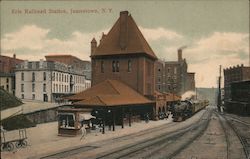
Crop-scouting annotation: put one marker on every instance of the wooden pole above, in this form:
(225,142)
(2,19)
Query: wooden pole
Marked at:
(113,116)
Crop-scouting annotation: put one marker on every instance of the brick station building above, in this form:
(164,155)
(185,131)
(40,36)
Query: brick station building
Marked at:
(123,77)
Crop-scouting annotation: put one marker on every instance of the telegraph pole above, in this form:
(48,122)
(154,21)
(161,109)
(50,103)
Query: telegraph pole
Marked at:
(219,92)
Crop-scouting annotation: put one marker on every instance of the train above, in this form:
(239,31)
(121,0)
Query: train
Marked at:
(185,109)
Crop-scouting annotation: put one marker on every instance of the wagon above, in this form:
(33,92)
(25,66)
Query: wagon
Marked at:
(8,145)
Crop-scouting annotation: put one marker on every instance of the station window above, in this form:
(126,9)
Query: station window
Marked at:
(113,66)
(117,66)
(102,66)
(129,66)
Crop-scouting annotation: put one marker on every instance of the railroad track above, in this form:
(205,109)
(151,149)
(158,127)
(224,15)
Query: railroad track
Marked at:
(163,146)
(238,120)
(129,148)
(230,131)
(245,140)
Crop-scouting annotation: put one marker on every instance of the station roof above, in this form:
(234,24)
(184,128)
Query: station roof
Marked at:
(109,93)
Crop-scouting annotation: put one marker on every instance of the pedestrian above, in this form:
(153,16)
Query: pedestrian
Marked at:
(84,132)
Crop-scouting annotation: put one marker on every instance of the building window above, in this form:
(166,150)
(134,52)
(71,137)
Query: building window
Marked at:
(102,66)
(7,87)
(117,66)
(22,87)
(175,70)
(53,78)
(7,80)
(33,76)
(22,76)
(113,66)
(33,87)
(44,76)
(168,69)
(33,96)
(159,87)
(22,96)
(56,88)
(129,66)
(44,87)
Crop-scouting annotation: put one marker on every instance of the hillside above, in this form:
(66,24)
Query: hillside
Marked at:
(8,100)
(208,93)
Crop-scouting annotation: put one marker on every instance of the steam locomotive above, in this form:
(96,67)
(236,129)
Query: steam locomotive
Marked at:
(185,109)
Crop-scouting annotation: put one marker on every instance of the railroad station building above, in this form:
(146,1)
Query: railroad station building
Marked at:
(123,77)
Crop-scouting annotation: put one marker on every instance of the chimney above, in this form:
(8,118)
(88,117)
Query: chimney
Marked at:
(123,29)
(179,55)
(14,56)
(93,46)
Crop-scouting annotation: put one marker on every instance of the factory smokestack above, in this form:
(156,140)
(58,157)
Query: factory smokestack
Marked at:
(180,53)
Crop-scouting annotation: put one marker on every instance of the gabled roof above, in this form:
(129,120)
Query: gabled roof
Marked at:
(124,38)
(109,93)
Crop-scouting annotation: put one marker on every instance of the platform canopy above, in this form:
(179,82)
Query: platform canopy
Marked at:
(109,93)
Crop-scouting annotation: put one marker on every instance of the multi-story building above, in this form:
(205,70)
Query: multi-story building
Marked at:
(172,76)
(7,75)
(47,81)
(160,76)
(75,63)
(234,74)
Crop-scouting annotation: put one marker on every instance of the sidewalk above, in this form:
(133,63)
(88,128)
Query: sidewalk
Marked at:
(48,141)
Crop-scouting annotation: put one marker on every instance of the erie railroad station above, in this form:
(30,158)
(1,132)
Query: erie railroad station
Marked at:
(125,102)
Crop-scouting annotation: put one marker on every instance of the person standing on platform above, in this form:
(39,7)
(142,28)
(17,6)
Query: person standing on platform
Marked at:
(84,132)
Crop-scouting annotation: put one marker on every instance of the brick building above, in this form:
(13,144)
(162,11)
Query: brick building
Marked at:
(124,54)
(7,75)
(172,76)
(234,74)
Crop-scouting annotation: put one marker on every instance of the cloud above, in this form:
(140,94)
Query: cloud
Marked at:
(219,45)
(34,43)
(207,53)
(159,33)
(29,36)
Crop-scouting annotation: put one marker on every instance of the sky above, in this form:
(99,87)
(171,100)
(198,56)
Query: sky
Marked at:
(216,32)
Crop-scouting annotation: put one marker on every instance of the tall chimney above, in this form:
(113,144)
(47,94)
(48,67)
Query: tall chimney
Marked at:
(123,29)
(179,55)
(14,56)
(93,46)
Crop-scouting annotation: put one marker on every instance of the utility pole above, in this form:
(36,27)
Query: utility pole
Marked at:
(219,92)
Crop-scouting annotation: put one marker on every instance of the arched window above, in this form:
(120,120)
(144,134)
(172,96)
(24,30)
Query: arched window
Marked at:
(117,66)
(113,66)
(102,66)
(129,66)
